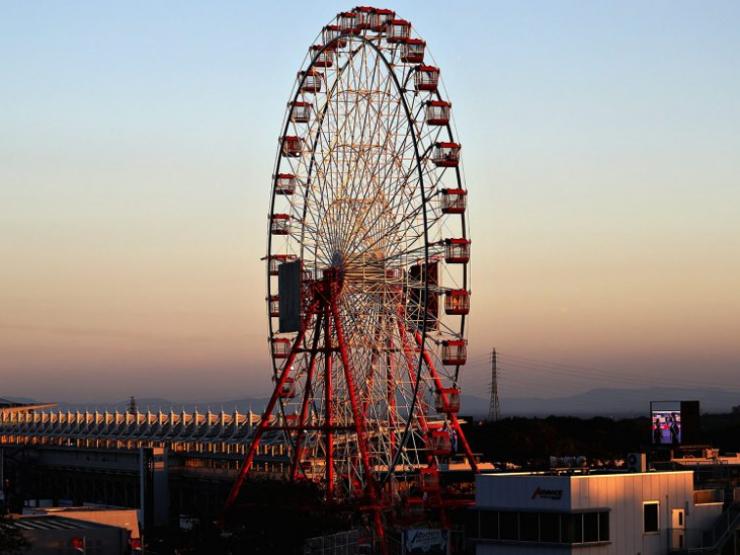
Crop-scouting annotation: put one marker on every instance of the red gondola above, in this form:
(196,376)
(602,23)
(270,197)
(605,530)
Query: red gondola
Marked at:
(320,56)
(438,112)
(287,390)
(440,443)
(426,78)
(280,224)
(453,400)
(398,30)
(275,260)
(300,112)
(280,347)
(310,80)
(457,251)
(446,155)
(291,145)
(453,201)
(347,22)
(364,15)
(380,18)
(454,352)
(457,301)
(332,35)
(285,184)
(412,51)
(273,302)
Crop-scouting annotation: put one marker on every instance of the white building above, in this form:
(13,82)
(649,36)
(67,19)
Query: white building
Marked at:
(642,513)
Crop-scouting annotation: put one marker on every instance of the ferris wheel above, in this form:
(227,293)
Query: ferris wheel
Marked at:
(367,267)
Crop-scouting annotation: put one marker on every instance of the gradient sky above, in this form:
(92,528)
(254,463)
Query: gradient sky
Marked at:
(602,154)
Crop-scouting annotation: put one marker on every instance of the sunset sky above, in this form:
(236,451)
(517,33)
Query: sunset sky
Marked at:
(601,146)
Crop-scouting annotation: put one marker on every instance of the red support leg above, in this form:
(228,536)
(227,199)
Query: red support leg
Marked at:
(264,421)
(359,425)
(328,411)
(306,396)
(440,391)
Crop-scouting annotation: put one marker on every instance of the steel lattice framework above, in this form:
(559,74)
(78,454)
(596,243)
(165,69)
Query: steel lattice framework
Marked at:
(368,197)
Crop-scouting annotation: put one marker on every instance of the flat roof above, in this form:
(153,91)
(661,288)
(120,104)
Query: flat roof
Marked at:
(598,474)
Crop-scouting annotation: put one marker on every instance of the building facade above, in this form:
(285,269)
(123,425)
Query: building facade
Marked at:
(642,513)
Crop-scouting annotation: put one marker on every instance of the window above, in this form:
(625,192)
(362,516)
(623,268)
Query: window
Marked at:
(604,526)
(650,516)
(590,527)
(540,527)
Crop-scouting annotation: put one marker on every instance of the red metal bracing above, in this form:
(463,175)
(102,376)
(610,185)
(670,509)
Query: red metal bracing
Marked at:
(380,18)
(438,112)
(311,80)
(439,442)
(321,58)
(453,201)
(426,78)
(429,479)
(291,145)
(457,301)
(398,30)
(347,22)
(412,51)
(285,184)
(300,112)
(291,419)
(452,396)
(364,14)
(332,35)
(454,352)
(457,251)
(274,304)
(287,388)
(279,224)
(446,155)
(280,347)
(276,259)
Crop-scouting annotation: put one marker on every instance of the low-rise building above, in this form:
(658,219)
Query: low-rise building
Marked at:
(640,513)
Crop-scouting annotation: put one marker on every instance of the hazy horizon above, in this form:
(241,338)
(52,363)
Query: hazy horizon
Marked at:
(137,141)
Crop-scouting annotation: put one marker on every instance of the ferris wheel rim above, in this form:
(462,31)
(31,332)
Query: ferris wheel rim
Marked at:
(418,156)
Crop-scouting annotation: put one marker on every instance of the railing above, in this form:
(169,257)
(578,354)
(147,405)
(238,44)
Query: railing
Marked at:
(705,541)
(703,496)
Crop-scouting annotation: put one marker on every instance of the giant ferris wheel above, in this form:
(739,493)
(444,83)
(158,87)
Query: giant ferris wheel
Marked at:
(367,268)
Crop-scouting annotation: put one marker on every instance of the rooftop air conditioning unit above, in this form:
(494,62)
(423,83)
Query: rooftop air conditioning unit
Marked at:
(636,462)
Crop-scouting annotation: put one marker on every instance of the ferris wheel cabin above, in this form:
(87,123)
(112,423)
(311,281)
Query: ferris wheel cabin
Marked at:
(322,57)
(452,396)
(280,347)
(364,14)
(446,155)
(457,251)
(380,18)
(426,78)
(273,302)
(275,260)
(347,22)
(300,112)
(285,184)
(310,80)
(437,112)
(280,224)
(412,51)
(398,30)
(454,352)
(457,302)
(292,145)
(453,201)
(332,35)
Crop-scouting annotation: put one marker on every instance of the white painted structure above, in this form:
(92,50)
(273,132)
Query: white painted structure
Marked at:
(647,513)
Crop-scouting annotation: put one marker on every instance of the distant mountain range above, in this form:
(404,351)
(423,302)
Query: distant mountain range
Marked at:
(596,402)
